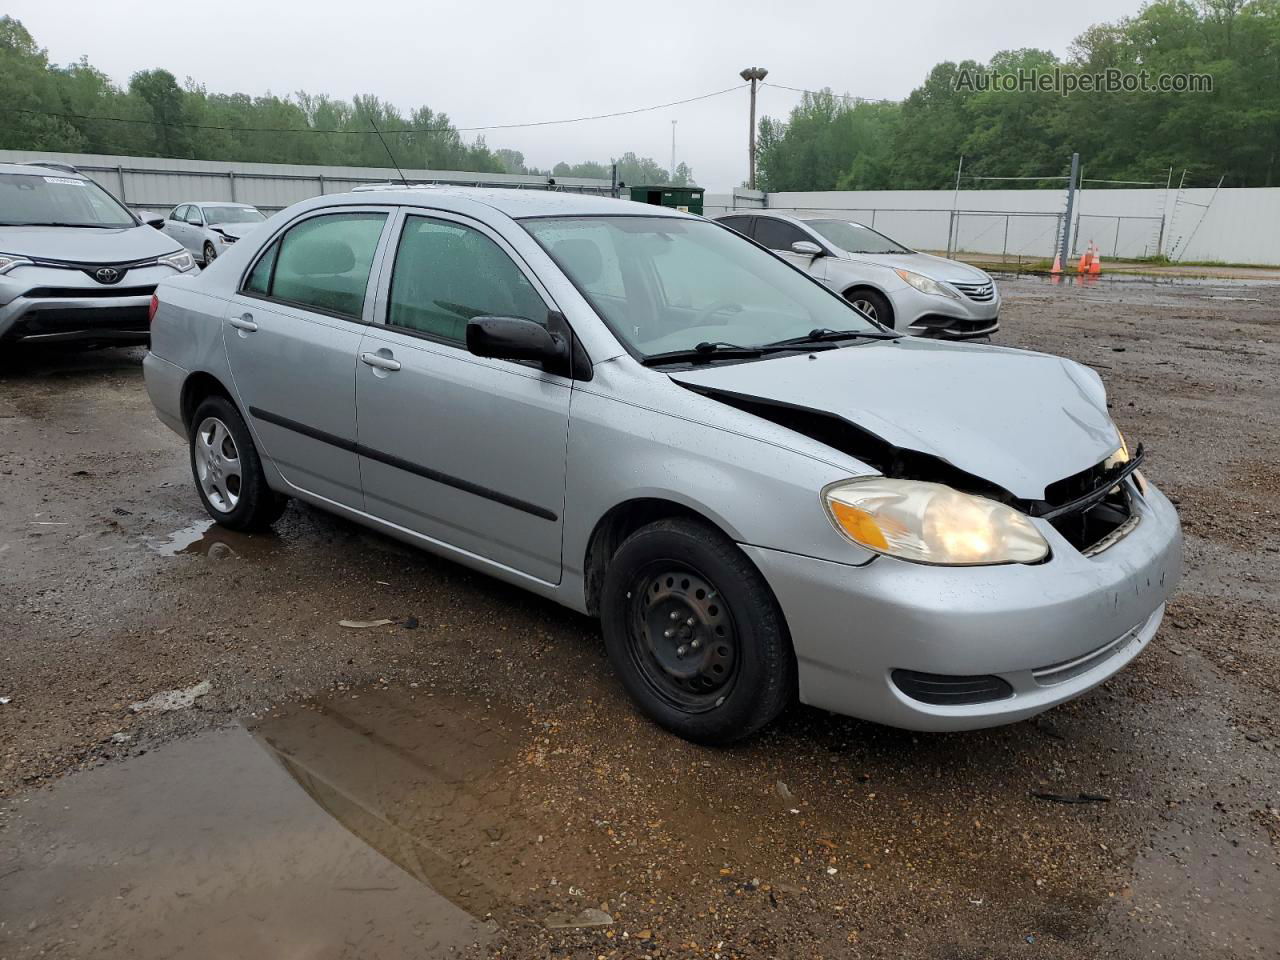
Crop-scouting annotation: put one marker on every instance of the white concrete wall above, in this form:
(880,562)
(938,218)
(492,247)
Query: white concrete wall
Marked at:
(158,183)
(1241,225)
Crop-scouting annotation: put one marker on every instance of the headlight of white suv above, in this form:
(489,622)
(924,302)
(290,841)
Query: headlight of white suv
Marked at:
(926,284)
(182,261)
(931,523)
(9,260)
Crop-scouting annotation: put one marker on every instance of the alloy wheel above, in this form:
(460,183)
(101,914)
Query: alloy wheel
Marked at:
(218,464)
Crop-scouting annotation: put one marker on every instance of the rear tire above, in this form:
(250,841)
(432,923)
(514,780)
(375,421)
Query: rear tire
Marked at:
(228,471)
(873,303)
(695,634)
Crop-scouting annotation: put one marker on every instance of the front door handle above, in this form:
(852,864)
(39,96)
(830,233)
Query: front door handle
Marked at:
(378,361)
(244,323)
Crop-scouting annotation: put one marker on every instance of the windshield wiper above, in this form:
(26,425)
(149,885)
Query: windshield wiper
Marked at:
(708,351)
(825,334)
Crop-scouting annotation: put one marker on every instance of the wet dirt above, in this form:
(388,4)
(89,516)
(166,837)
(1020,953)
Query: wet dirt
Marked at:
(476,759)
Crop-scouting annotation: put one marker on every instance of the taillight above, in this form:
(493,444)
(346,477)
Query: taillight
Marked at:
(152,308)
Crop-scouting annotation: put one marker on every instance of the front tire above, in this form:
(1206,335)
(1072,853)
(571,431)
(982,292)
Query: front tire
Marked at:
(210,254)
(873,303)
(228,471)
(695,633)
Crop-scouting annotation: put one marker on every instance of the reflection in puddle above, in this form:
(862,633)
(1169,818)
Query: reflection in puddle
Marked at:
(205,848)
(206,539)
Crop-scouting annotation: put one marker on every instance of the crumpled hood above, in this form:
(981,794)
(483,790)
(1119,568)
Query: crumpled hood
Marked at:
(1017,419)
(87,244)
(936,268)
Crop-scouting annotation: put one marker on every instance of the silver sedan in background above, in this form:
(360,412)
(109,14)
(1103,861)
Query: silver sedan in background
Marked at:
(208,229)
(901,288)
(645,417)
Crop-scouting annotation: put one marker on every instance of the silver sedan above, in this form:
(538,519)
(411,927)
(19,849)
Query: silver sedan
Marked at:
(208,229)
(898,287)
(762,494)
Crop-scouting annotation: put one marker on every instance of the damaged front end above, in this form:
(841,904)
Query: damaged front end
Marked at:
(1092,509)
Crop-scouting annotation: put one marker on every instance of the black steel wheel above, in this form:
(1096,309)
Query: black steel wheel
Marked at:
(681,637)
(695,634)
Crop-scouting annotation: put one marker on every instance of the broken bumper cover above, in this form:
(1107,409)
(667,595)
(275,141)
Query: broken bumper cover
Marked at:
(1048,632)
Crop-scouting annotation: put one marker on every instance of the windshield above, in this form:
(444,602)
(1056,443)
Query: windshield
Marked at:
(232,215)
(854,237)
(665,284)
(42,200)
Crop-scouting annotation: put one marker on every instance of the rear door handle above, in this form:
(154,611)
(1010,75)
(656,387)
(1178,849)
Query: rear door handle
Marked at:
(244,323)
(380,362)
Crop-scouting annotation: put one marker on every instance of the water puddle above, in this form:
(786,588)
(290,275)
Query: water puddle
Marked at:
(1149,279)
(386,824)
(204,538)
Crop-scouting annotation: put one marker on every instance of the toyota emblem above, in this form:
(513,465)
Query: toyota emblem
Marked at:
(107,275)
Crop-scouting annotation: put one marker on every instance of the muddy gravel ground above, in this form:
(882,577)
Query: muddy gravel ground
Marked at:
(470,780)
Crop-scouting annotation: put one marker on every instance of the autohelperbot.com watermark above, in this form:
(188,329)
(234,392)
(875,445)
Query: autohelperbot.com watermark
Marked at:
(1067,82)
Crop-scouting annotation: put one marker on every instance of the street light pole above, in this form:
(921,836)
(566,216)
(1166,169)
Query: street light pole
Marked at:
(673,151)
(754,75)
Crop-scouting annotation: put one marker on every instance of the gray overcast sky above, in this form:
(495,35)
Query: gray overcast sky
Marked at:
(511,62)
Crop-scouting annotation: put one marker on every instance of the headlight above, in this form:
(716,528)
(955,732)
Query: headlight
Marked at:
(926,284)
(9,260)
(181,261)
(931,523)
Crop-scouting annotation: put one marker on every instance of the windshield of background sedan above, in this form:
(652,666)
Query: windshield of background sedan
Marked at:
(233,215)
(38,200)
(854,237)
(667,284)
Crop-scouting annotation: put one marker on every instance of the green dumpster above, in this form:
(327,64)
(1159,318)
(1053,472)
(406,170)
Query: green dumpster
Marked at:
(688,199)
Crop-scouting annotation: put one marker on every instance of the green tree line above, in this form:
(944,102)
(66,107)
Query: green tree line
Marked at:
(832,142)
(61,108)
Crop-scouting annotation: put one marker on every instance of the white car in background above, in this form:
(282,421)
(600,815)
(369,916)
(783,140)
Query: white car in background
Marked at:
(908,291)
(208,228)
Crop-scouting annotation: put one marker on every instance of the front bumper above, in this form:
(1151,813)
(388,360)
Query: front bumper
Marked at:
(51,304)
(1050,631)
(928,315)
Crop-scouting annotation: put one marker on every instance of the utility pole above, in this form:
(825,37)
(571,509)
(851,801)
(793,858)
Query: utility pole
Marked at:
(754,75)
(953,234)
(1064,245)
(673,151)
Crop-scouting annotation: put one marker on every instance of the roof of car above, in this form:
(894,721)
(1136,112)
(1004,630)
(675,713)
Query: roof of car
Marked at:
(41,170)
(515,203)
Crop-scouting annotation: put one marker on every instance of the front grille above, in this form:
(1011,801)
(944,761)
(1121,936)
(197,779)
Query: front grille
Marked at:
(946,690)
(981,292)
(80,293)
(1099,526)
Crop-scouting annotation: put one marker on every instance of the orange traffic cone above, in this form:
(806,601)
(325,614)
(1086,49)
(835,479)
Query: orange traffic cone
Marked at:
(1085,259)
(1057,264)
(1095,265)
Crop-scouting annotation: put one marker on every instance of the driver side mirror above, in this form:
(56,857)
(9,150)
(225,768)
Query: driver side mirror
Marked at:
(806,248)
(515,338)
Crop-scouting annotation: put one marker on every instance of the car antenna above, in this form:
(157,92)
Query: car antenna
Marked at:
(391,155)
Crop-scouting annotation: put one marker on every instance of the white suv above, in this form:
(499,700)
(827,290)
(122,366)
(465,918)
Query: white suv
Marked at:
(75,263)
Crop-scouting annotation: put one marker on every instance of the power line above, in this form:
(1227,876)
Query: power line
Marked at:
(818,93)
(366,133)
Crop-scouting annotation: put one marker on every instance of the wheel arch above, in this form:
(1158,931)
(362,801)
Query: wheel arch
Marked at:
(196,389)
(618,523)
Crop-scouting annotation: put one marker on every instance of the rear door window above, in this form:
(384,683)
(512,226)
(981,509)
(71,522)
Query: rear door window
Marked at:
(741,224)
(777,234)
(323,262)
